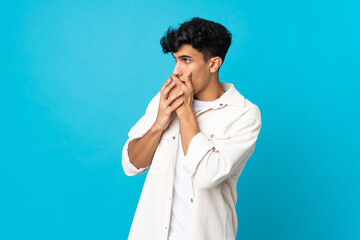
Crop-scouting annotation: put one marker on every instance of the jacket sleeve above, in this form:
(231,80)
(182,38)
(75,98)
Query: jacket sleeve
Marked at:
(137,131)
(209,162)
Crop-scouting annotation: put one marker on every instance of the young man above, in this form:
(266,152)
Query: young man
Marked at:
(195,137)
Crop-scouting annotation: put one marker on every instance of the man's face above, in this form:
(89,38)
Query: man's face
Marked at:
(188,59)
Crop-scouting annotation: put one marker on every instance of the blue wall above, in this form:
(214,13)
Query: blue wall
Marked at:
(77,75)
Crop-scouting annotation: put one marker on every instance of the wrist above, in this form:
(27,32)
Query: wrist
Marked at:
(186,107)
(156,129)
(186,111)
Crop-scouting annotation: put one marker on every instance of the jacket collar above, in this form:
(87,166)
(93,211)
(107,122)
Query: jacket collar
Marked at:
(230,97)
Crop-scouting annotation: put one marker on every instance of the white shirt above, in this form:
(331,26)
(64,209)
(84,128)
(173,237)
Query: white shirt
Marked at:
(181,206)
(214,161)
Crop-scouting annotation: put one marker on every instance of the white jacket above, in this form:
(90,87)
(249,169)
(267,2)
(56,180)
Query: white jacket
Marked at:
(214,161)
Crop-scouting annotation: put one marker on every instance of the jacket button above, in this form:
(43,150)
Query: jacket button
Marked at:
(165,227)
(174,137)
(212,135)
(191,200)
(221,104)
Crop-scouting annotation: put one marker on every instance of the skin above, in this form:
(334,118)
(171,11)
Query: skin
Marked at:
(176,98)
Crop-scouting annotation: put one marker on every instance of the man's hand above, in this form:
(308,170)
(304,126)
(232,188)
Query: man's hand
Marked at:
(186,88)
(188,124)
(166,111)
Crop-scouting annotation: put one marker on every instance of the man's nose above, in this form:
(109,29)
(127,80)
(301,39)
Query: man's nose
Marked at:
(177,71)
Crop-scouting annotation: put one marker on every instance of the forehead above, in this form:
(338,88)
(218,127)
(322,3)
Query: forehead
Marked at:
(187,49)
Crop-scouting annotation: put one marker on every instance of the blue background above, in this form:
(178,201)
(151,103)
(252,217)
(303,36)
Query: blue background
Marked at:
(77,75)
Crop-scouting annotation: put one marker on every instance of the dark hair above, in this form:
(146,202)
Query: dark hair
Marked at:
(210,38)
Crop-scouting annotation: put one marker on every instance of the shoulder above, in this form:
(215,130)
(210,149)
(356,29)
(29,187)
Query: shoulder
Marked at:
(247,121)
(246,108)
(251,110)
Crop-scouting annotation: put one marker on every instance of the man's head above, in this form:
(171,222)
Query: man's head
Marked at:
(204,44)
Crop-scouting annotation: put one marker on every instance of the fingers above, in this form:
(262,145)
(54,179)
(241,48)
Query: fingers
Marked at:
(165,89)
(188,81)
(171,103)
(175,105)
(173,97)
(167,82)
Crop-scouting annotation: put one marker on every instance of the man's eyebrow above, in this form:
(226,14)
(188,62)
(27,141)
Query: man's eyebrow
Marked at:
(182,56)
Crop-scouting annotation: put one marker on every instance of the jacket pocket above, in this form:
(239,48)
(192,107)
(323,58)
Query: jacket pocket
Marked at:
(160,163)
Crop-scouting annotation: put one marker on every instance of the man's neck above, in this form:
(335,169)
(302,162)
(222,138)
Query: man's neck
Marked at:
(212,92)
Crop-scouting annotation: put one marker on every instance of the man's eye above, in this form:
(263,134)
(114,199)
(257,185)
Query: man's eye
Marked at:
(185,60)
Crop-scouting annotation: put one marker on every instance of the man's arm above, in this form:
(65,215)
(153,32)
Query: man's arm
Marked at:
(145,135)
(141,150)
(189,126)
(210,162)
(139,130)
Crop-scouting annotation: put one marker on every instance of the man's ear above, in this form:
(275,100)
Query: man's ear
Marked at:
(215,63)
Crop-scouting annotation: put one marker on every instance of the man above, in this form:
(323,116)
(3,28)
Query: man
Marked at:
(195,137)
